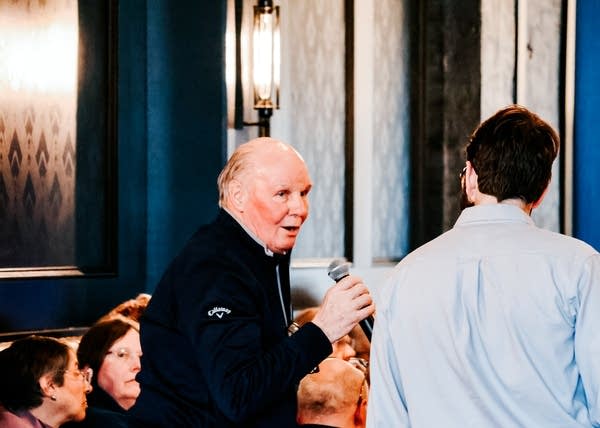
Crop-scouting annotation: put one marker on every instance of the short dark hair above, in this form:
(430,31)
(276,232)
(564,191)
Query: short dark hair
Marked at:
(22,365)
(96,342)
(512,153)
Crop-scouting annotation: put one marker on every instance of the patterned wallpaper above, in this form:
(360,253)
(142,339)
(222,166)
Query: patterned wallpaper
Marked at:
(317,124)
(317,112)
(38,103)
(391,118)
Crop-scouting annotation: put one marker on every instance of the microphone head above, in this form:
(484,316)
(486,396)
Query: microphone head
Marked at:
(338,269)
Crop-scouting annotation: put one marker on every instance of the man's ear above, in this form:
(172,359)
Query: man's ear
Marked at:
(236,193)
(471,186)
(541,198)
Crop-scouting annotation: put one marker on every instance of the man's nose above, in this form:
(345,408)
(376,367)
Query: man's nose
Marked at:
(298,205)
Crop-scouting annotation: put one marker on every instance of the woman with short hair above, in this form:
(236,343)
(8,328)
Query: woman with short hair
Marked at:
(112,349)
(42,385)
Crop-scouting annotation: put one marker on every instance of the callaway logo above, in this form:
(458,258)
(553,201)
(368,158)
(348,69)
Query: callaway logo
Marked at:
(218,311)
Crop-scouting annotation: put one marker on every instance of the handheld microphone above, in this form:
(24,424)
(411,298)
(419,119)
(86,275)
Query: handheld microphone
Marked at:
(339,269)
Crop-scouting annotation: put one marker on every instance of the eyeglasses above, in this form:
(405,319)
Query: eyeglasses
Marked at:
(123,354)
(359,363)
(362,365)
(462,173)
(86,374)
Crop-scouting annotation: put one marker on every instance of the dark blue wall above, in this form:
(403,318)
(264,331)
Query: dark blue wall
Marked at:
(186,122)
(586,195)
(171,145)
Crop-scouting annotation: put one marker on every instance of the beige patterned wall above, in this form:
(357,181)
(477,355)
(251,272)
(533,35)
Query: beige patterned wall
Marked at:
(316,114)
(38,101)
(316,117)
(391,118)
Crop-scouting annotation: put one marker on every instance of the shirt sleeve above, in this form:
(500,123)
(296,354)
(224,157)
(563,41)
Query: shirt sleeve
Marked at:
(247,371)
(587,335)
(387,404)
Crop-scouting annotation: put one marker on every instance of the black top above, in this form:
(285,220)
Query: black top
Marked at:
(214,337)
(99,398)
(103,411)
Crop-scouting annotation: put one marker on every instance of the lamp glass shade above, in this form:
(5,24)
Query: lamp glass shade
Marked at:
(265,60)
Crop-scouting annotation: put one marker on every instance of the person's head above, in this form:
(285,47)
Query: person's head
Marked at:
(131,308)
(510,156)
(41,375)
(360,343)
(265,185)
(335,395)
(112,349)
(342,348)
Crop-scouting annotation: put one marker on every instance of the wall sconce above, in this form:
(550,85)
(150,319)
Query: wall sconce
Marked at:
(261,65)
(265,63)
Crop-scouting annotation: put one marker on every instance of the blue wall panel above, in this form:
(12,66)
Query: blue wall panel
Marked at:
(186,128)
(586,193)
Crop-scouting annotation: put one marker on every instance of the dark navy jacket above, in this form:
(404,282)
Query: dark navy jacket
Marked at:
(214,337)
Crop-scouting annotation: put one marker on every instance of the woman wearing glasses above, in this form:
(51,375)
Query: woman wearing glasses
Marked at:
(41,384)
(112,349)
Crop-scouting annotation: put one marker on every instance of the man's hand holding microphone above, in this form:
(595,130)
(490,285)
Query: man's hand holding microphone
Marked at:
(345,304)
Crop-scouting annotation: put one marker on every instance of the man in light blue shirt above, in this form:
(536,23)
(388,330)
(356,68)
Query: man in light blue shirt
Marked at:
(496,323)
